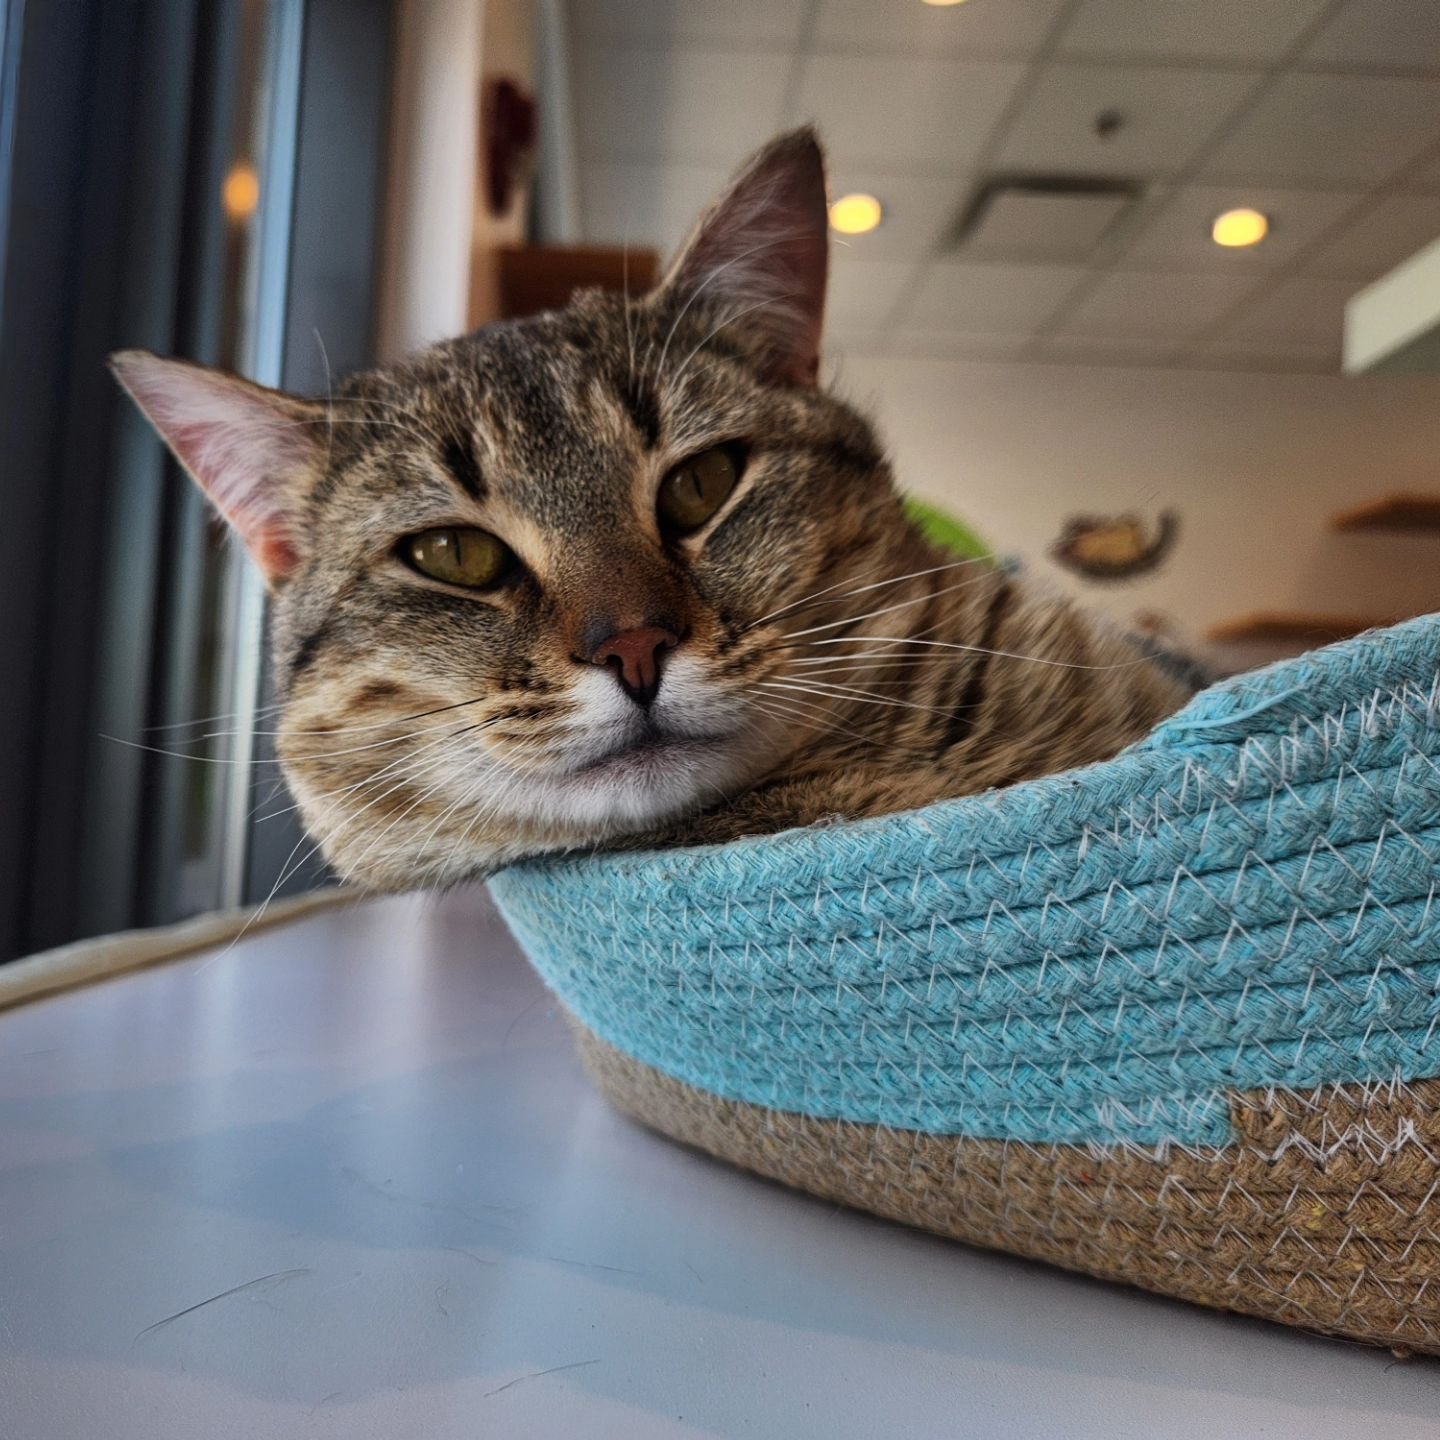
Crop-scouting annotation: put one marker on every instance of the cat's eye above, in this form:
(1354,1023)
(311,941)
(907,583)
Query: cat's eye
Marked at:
(696,488)
(458,556)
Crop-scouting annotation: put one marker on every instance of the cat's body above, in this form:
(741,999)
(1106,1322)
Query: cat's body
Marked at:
(625,574)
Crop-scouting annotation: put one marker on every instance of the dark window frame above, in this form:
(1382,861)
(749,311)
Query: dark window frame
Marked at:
(107,215)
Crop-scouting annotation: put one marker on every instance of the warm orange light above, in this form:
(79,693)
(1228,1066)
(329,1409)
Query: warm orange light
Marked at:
(939,3)
(241,192)
(855,214)
(1236,229)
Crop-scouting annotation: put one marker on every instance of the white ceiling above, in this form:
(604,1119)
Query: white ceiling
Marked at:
(1325,114)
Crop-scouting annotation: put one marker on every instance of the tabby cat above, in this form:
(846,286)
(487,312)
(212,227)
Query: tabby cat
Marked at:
(626,574)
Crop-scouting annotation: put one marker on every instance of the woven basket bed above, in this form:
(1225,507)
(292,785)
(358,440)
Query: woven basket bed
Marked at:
(1172,1020)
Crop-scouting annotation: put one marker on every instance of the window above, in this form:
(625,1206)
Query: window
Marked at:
(202,180)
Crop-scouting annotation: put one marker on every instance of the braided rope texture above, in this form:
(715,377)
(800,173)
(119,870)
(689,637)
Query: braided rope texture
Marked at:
(1101,961)
(1321,1215)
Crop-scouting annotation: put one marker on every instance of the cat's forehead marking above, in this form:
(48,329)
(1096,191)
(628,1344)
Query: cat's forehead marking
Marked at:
(559,419)
(550,424)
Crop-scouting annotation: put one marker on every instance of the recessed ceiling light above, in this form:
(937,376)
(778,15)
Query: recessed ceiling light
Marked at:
(939,3)
(1235,229)
(855,214)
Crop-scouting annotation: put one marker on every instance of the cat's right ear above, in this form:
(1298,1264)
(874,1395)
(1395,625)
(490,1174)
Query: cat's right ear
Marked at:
(253,451)
(759,256)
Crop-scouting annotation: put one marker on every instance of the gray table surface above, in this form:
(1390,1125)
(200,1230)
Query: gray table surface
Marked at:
(348,1180)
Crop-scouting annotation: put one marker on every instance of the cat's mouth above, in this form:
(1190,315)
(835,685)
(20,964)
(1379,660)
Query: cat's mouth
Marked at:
(643,754)
(645,773)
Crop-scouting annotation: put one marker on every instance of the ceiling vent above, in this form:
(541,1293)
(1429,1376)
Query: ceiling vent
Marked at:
(1044,217)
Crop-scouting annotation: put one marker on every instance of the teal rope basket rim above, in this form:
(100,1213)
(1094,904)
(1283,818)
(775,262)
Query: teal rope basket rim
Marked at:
(1244,899)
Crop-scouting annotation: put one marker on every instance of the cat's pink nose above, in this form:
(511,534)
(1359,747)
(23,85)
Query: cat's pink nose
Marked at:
(634,655)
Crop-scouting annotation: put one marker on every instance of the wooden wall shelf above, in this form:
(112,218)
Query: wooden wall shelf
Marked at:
(1400,511)
(1281,626)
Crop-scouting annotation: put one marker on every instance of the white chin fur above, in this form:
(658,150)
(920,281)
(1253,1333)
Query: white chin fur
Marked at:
(707,751)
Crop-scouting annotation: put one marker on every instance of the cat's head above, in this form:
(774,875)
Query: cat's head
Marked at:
(525,583)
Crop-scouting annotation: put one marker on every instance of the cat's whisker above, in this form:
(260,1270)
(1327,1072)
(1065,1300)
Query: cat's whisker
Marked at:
(843,664)
(881,658)
(352,865)
(852,692)
(290,866)
(974,650)
(371,785)
(728,321)
(411,426)
(883,610)
(210,720)
(869,742)
(329,397)
(260,910)
(629,319)
(359,729)
(410,421)
(182,755)
(815,711)
(362,749)
(710,277)
(380,725)
(430,834)
(815,595)
(394,767)
(791,711)
(397,766)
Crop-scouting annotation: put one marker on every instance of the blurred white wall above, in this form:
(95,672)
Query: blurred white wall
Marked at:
(1255,463)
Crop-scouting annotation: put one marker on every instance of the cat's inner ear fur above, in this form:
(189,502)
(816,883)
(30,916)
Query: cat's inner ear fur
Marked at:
(756,261)
(254,452)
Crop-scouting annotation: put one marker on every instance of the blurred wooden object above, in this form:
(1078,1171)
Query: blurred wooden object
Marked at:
(544,277)
(1401,511)
(1284,626)
(507,81)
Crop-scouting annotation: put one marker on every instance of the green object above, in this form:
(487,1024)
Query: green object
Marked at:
(947,532)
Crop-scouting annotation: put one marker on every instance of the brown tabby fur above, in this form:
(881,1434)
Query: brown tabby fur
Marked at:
(432,733)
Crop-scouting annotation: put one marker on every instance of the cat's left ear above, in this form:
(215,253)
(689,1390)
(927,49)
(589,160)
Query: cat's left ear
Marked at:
(254,452)
(758,258)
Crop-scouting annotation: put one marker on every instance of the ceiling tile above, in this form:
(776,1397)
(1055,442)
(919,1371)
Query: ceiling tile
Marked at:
(917,114)
(1333,127)
(1425,179)
(1168,115)
(1132,304)
(1389,231)
(1179,234)
(733,23)
(1097,350)
(989,298)
(1263,355)
(958,345)
(654,202)
(686,104)
(875,27)
(863,293)
(645,204)
(840,344)
(1214,30)
(917,212)
(1403,33)
(1301,310)
(1034,224)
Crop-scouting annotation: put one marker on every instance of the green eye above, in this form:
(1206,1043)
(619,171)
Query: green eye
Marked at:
(696,488)
(468,557)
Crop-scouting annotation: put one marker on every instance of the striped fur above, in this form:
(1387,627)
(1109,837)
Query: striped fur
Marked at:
(830,661)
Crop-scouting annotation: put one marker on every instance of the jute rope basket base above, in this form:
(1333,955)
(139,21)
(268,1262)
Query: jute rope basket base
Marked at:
(1172,1020)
